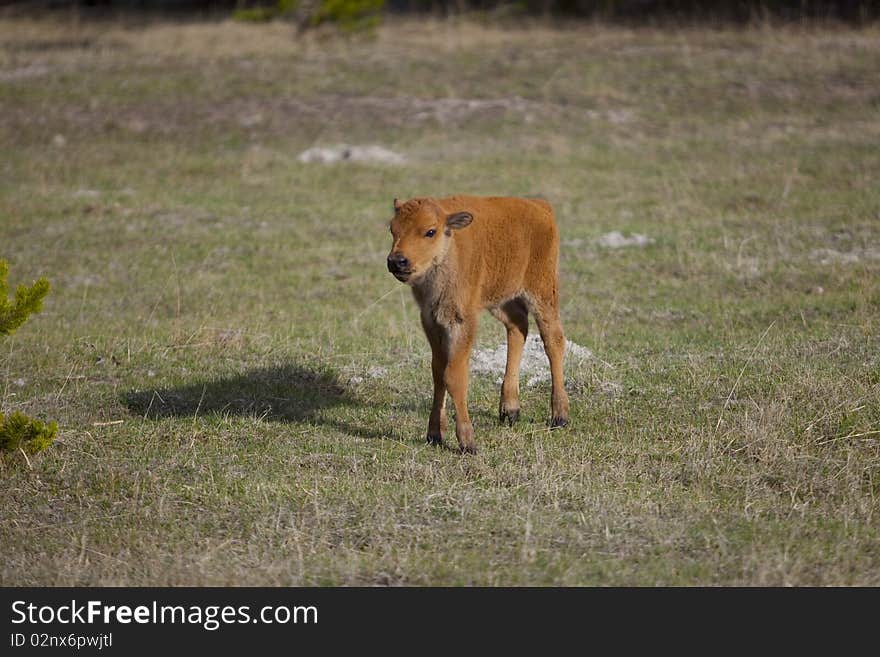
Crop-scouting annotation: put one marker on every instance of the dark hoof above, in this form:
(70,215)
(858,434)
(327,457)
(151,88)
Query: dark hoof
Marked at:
(509,417)
(468,449)
(558,422)
(435,439)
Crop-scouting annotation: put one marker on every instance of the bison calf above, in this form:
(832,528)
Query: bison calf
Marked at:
(463,254)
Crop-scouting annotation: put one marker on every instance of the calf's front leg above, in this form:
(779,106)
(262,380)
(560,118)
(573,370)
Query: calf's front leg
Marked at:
(461,339)
(439,359)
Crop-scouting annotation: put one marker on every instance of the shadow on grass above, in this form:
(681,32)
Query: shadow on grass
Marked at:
(287,393)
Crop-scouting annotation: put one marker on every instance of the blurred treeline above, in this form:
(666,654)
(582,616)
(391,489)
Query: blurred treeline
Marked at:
(625,11)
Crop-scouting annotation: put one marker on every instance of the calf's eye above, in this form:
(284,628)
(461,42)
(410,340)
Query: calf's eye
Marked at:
(431,233)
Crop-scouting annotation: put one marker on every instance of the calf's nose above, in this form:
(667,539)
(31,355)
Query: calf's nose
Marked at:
(397,262)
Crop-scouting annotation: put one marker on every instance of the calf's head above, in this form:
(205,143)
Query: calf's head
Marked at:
(421,232)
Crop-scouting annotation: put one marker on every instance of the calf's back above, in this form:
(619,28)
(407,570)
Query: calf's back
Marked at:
(511,246)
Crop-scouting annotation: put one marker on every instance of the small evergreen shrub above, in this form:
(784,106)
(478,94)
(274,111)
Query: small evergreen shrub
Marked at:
(27,300)
(264,14)
(18,431)
(347,14)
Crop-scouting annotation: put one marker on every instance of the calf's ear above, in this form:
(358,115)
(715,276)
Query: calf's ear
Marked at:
(459,220)
(397,205)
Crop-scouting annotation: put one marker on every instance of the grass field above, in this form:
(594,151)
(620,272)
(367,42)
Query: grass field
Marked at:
(242,389)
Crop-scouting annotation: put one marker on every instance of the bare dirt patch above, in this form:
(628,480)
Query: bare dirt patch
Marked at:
(276,114)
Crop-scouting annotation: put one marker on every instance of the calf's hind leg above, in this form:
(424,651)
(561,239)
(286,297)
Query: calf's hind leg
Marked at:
(515,317)
(547,318)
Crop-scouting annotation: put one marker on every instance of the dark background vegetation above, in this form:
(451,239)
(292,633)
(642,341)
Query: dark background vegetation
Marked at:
(636,11)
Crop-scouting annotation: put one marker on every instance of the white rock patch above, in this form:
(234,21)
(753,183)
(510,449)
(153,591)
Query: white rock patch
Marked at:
(611,388)
(377,372)
(86,193)
(357,377)
(617,240)
(348,153)
(831,256)
(534,367)
(24,72)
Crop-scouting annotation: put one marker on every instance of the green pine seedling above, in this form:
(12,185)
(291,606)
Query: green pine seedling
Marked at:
(27,300)
(18,430)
